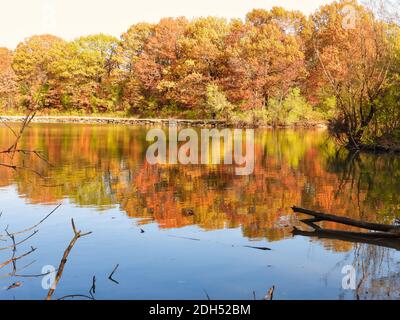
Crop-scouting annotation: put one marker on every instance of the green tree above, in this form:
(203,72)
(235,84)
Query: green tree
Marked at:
(30,63)
(217,104)
(85,68)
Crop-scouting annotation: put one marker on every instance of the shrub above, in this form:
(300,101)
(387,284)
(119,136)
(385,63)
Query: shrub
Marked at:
(217,104)
(292,109)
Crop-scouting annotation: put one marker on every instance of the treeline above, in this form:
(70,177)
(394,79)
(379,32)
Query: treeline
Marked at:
(340,63)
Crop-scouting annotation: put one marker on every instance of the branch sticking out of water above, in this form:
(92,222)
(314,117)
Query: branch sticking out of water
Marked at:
(380,234)
(77,235)
(259,248)
(37,224)
(392,230)
(112,273)
(208,297)
(270,294)
(92,290)
(13,259)
(14,245)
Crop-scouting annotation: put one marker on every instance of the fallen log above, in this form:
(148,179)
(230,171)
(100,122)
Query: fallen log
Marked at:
(355,237)
(321,216)
(380,234)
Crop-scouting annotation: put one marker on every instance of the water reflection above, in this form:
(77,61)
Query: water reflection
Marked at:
(104,167)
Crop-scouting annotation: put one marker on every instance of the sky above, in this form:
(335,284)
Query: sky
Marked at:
(70,19)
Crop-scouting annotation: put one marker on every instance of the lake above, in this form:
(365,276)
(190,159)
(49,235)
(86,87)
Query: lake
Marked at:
(192,231)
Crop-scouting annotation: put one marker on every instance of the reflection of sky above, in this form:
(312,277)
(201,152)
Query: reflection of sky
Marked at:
(160,263)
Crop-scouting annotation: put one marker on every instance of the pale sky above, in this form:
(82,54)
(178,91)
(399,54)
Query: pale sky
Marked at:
(69,19)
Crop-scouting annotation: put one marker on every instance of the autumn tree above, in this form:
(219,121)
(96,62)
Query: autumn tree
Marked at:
(264,66)
(84,69)
(202,48)
(263,59)
(157,65)
(8,83)
(353,55)
(129,52)
(30,63)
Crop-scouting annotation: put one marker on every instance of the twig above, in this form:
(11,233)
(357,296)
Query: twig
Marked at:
(37,224)
(33,275)
(15,285)
(259,248)
(270,294)
(15,168)
(14,251)
(112,273)
(24,151)
(208,297)
(76,296)
(9,127)
(25,123)
(13,259)
(77,235)
(92,290)
(20,242)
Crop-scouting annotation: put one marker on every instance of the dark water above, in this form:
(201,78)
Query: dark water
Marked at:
(197,219)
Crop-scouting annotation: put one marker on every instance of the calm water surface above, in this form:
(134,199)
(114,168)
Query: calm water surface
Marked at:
(100,176)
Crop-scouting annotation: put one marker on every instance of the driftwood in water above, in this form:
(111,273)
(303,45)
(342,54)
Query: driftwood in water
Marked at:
(320,216)
(356,237)
(383,235)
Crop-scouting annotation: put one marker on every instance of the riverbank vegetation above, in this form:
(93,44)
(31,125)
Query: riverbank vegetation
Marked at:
(341,64)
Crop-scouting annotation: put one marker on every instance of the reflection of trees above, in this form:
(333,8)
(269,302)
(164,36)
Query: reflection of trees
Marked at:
(104,166)
(375,180)
(377,273)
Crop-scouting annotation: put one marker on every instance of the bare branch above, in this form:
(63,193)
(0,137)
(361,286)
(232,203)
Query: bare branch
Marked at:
(77,235)
(37,224)
(12,260)
(112,273)
(20,242)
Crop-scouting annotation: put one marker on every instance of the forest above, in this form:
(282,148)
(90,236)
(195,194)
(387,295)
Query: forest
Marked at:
(276,67)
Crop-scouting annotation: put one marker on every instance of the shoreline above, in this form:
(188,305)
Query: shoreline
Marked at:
(155,121)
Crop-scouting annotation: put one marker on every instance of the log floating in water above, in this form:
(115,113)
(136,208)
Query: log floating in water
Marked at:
(355,237)
(383,235)
(321,216)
